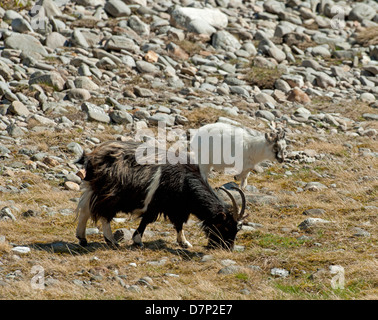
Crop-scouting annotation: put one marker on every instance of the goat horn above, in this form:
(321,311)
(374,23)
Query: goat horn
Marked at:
(235,206)
(241,213)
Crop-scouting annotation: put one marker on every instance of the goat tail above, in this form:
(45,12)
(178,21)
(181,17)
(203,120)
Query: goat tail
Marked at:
(84,205)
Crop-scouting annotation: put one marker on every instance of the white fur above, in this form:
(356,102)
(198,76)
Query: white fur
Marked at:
(83,211)
(182,240)
(255,148)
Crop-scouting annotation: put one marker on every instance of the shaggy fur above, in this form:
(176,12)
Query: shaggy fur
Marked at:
(116,182)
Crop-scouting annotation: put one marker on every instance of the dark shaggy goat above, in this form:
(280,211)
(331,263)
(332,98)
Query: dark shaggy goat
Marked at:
(116,182)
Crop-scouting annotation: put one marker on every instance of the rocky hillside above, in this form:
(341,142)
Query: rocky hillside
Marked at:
(74,73)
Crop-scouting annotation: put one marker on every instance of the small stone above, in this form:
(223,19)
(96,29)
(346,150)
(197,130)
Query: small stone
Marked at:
(143,92)
(117,8)
(367,97)
(359,232)
(52,79)
(207,257)
(297,95)
(7,214)
(122,234)
(71,186)
(279,272)
(314,186)
(312,222)
(230,270)
(75,148)
(18,108)
(21,250)
(95,113)
(146,67)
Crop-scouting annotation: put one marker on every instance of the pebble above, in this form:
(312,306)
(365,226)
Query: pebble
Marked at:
(310,223)
(279,272)
(21,250)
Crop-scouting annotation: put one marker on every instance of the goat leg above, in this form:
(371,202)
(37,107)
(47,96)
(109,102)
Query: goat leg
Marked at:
(138,234)
(108,235)
(181,239)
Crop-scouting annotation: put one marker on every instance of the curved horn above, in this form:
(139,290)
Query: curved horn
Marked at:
(234,205)
(241,215)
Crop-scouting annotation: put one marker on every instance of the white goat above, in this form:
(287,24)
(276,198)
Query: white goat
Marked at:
(220,146)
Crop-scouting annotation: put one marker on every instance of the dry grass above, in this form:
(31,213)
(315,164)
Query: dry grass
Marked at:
(368,36)
(278,244)
(264,78)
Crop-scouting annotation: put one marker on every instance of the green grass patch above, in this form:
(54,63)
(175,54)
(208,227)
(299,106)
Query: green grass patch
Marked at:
(272,241)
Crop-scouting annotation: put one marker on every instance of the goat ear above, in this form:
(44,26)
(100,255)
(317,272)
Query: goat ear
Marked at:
(281,134)
(270,137)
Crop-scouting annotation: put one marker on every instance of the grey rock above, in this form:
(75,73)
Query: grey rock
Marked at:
(279,272)
(75,148)
(340,72)
(207,257)
(29,45)
(265,114)
(294,80)
(122,234)
(21,250)
(367,97)
(117,8)
(264,98)
(21,25)
(310,63)
(359,232)
(230,270)
(118,43)
(362,11)
(310,223)
(78,39)
(324,81)
(314,186)
(6,213)
(50,8)
(146,67)
(52,79)
(179,119)
(143,92)
(321,51)
(106,63)
(15,131)
(273,6)
(121,117)
(267,47)
(169,120)
(225,40)
(85,83)
(78,94)
(18,108)
(95,113)
(261,199)
(370,116)
(55,40)
(199,20)
(138,26)
(239,90)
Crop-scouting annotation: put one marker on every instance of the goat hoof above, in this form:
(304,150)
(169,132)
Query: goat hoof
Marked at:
(113,245)
(138,245)
(185,245)
(83,242)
